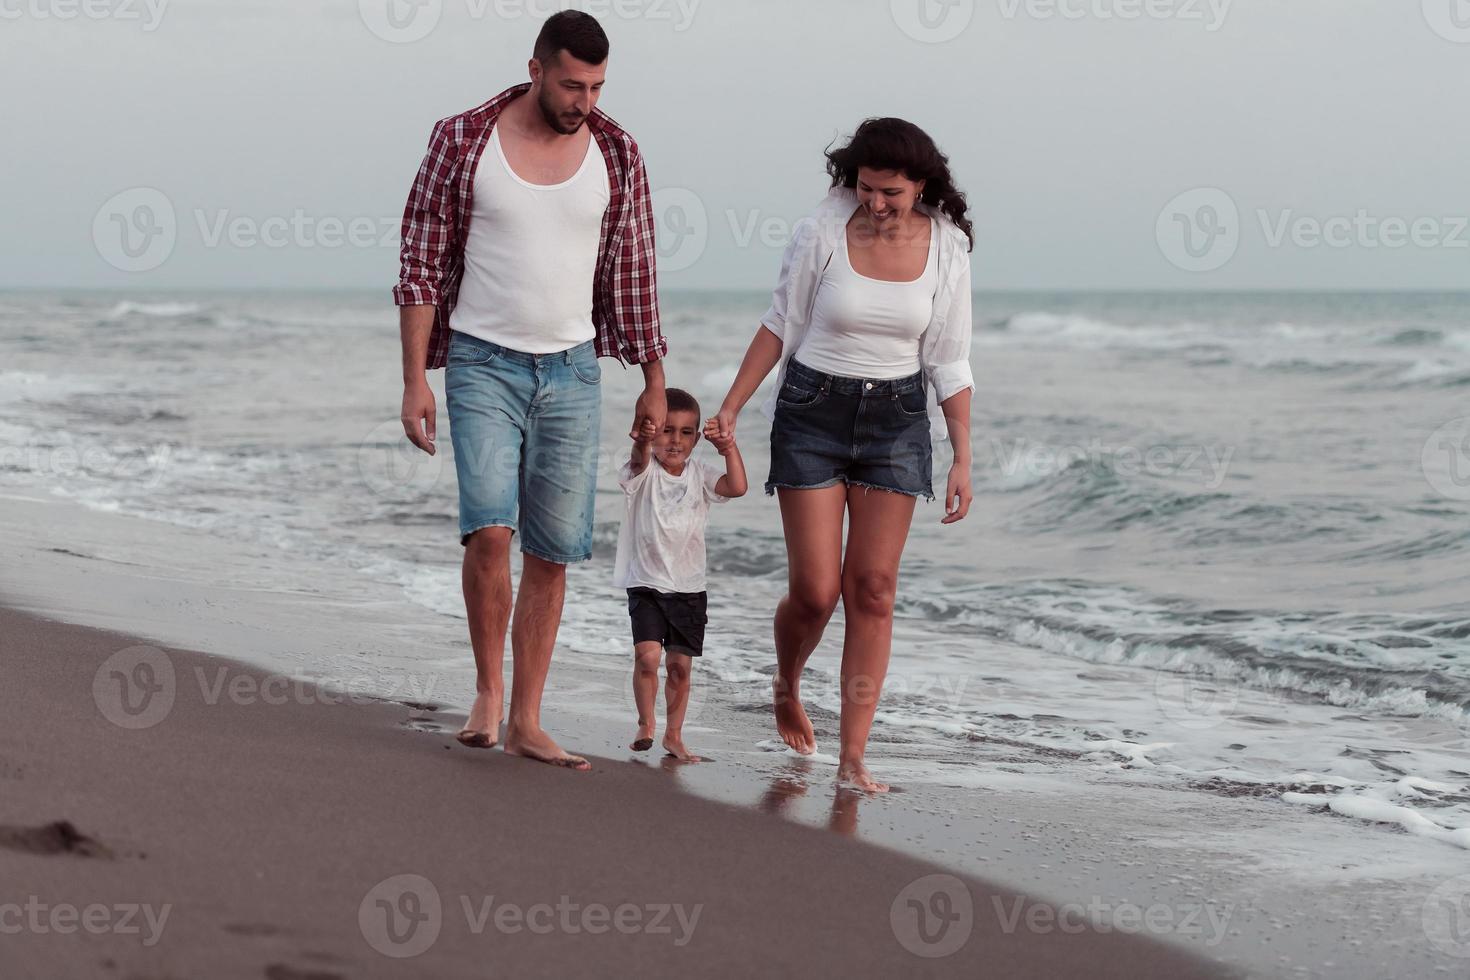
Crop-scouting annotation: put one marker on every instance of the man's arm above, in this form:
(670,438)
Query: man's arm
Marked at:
(629,297)
(426,231)
(419,410)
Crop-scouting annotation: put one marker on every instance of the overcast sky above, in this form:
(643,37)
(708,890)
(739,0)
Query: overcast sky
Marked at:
(1115,144)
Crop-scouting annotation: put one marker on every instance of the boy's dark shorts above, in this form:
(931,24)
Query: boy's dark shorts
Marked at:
(674,619)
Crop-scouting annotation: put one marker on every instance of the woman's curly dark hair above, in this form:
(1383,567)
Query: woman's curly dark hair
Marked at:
(896,144)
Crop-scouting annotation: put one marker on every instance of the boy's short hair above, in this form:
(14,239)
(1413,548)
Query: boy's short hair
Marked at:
(680,400)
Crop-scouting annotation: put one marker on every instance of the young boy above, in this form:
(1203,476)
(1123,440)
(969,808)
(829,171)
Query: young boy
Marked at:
(661,557)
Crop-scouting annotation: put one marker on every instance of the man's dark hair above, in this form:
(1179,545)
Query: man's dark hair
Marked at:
(679,400)
(579,34)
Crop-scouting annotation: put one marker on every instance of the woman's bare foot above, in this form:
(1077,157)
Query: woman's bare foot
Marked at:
(644,739)
(482,728)
(674,746)
(856,775)
(791,720)
(536,744)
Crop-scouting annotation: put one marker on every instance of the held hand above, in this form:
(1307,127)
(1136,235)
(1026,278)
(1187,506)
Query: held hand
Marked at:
(646,434)
(723,423)
(958,486)
(723,443)
(652,407)
(418,415)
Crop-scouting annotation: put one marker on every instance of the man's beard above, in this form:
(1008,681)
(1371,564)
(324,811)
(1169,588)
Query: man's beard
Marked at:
(558,123)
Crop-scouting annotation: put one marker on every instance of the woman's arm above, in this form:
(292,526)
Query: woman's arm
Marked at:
(762,355)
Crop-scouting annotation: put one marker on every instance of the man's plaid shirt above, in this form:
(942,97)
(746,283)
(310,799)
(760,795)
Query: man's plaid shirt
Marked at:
(436,225)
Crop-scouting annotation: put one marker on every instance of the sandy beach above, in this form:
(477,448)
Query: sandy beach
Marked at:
(289,779)
(248,827)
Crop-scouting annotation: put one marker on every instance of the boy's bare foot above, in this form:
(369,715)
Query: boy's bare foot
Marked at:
(856,775)
(536,744)
(482,728)
(644,740)
(791,721)
(674,746)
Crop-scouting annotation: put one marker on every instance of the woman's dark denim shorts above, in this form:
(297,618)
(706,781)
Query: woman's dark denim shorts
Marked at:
(867,432)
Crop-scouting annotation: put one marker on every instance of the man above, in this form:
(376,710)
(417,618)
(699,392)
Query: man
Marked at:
(528,253)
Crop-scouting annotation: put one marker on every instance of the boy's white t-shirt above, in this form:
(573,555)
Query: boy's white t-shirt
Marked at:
(661,542)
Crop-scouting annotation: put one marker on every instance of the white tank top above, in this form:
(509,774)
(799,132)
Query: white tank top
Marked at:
(531,255)
(869,328)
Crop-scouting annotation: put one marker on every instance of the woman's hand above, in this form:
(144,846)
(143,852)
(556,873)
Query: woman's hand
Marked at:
(958,486)
(722,424)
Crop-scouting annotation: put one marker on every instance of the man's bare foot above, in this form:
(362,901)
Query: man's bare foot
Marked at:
(644,740)
(482,728)
(674,746)
(791,721)
(856,775)
(536,744)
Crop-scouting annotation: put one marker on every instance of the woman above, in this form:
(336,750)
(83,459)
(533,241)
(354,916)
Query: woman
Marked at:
(870,324)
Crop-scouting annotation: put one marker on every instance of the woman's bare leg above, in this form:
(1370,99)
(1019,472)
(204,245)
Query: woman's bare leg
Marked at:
(875,539)
(812,520)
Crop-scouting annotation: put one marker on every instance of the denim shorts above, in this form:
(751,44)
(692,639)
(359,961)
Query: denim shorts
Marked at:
(867,432)
(525,430)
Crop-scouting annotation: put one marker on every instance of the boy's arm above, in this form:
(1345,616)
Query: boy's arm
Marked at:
(642,450)
(732,484)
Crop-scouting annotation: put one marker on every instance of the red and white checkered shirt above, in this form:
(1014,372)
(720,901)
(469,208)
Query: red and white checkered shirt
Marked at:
(436,225)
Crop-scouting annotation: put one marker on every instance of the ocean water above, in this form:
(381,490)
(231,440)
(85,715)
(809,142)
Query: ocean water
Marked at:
(1219,542)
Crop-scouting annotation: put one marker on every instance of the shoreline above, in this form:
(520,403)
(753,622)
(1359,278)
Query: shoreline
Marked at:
(1250,885)
(256,834)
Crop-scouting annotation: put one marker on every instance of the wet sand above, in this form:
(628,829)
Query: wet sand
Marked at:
(233,824)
